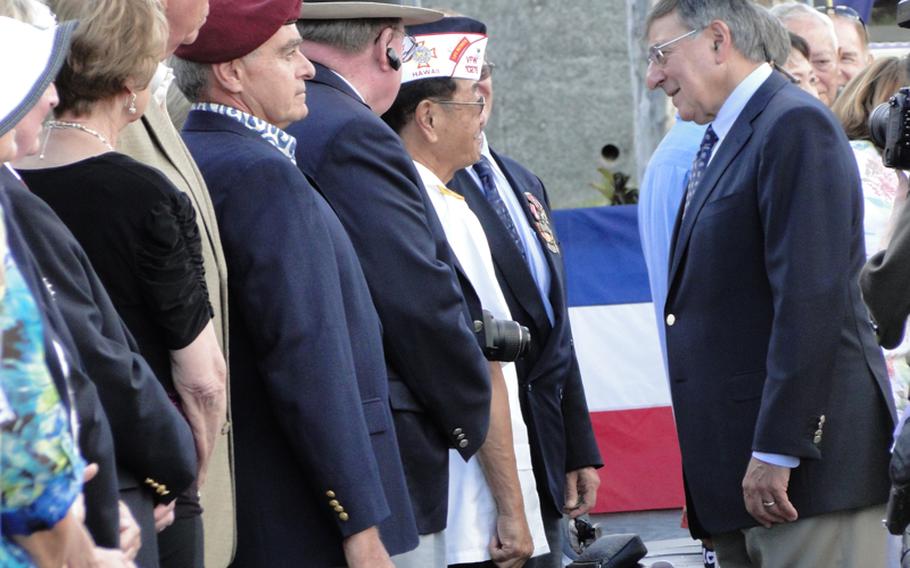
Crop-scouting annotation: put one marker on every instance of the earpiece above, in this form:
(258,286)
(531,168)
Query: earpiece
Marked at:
(715,46)
(394,60)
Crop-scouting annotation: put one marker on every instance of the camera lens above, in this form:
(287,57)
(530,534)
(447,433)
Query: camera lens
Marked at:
(503,340)
(878,124)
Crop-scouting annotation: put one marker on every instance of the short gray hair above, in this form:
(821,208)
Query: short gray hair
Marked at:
(192,78)
(743,18)
(775,36)
(350,36)
(797,11)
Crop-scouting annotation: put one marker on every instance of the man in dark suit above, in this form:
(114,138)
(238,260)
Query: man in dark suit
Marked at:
(439,383)
(318,473)
(512,205)
(780,394)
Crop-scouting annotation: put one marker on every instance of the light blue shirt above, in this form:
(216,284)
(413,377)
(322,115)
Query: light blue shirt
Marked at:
(537,262)
(659,198)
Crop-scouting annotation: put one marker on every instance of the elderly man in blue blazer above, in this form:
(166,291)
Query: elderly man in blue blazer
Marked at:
(440,386)
(782,403)
(318,473)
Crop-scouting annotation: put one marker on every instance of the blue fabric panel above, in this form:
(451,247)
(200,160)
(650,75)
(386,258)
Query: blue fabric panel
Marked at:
(602,252)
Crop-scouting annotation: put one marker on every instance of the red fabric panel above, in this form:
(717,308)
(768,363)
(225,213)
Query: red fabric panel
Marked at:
(642,468)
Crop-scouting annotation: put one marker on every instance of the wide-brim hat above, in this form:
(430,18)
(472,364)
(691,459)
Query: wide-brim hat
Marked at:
(345,10)
(30,58)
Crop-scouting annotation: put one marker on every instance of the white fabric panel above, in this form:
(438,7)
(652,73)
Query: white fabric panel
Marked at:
(619,355)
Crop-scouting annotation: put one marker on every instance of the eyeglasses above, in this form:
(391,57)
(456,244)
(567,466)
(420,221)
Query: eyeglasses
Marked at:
(480,103)
(657,54)
(841,10)
(486,70)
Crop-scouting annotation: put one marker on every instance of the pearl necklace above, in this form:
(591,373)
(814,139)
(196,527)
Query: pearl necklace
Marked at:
(59,124)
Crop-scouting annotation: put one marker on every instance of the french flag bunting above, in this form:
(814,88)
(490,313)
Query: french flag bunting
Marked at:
(618,351)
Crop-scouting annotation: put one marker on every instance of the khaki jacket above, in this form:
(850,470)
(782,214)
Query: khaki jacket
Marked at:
(154,141)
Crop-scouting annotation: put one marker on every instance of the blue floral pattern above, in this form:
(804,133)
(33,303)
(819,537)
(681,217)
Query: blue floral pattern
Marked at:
(284,142)
(40,467)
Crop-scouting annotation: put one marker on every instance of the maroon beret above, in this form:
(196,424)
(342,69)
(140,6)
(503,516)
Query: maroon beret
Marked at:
(235,28)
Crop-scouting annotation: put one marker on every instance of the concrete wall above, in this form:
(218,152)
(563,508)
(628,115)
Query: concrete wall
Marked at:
(564,87)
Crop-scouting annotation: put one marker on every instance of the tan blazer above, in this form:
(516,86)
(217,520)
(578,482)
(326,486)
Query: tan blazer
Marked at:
(153,140)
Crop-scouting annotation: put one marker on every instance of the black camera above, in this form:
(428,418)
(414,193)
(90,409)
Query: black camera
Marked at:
(903,13)
(889,125)
(501,340)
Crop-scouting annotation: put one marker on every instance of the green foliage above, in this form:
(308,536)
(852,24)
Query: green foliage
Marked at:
(615,188)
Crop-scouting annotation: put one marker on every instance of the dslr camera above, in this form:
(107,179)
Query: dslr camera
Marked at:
(501,340)
(889,125)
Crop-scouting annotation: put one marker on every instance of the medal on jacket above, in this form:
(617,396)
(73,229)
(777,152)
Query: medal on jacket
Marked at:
(542,223)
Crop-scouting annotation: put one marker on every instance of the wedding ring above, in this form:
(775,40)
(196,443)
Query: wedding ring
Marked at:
(768,503)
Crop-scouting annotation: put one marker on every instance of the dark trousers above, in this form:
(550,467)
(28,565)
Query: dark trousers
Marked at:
(180,545)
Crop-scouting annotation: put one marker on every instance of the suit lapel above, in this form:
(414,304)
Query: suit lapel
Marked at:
(554,262)
(506,255)
(732,145)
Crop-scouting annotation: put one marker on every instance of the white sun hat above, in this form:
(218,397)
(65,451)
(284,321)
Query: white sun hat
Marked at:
(30,58)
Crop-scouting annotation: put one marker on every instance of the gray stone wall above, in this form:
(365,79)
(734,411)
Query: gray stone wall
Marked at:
(565,88)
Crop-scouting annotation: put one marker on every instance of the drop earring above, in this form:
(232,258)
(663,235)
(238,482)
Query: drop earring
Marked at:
(131,107)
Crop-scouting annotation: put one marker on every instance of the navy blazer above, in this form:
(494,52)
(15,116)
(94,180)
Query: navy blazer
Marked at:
(770,346)
(76,391)
(137,406)
(316,454)
(438,376)
(552,395)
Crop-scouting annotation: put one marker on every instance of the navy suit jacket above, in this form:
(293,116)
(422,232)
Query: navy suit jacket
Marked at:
(770,346)
(152,439)
(316,454)
(552,395)
(439,382)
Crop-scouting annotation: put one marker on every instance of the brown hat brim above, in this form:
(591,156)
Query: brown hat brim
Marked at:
(409,15)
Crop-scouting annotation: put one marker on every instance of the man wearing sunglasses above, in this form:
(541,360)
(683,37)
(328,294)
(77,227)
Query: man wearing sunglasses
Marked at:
(782,403)
(852,38)
(439,380)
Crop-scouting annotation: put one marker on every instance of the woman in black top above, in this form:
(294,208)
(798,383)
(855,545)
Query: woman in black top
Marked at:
(138,230)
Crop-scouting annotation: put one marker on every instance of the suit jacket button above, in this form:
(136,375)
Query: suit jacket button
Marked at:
(671,319)
(333,503)
(339,509)
(343,516)
(817,439)
(330,494)
(821,420)
(463,444)
(457,431)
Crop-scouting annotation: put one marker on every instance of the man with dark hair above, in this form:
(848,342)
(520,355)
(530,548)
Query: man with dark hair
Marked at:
(439,114)
(439,383)
(782,404)
(513,207)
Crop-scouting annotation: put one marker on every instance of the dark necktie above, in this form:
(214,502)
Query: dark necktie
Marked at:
(699,165)
(487,179)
